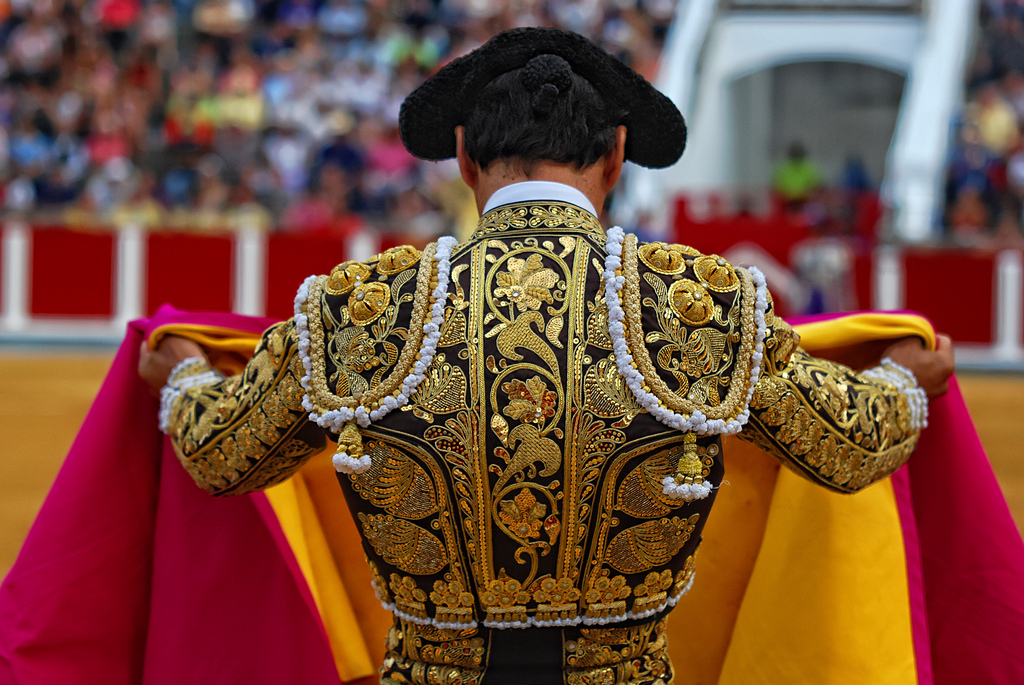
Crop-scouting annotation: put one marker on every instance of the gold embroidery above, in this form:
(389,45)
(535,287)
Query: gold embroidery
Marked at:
(738,382)
(443,391)
(397,259)
(523,476)
(650,544)
(454,603)
(666,259)
(395,483)
(424,655)
(505,600)
(526,284)
(606,394)
(653,592)
(523,516)
(605,596)
(549,215)
(637,655)
(824,420)
(316,310)
(367,302)
(404,544)
(641,494)
(691,303)
(345,276)
(408,598)
(531,401)
(715,273)
(247,432)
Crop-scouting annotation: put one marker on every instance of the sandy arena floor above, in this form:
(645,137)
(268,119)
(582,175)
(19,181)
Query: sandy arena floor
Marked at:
(44,397)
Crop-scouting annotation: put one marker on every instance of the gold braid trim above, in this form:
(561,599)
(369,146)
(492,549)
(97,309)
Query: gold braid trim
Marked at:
(735,400)
(320,392)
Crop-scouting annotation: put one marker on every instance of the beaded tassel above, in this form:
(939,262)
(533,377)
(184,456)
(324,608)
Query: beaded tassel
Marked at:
(688,483)
(349,457)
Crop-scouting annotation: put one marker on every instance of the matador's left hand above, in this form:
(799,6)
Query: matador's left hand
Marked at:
(932,368)
(156,365)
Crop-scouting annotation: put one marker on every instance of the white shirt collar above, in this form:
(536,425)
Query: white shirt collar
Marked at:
(526,191)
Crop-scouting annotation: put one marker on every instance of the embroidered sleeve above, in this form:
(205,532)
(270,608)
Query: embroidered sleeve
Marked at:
(246,432)
(839,428)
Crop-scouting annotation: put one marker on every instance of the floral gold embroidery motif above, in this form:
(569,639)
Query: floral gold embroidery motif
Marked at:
(715,273)
(397,259)
(345,276)
(691,302)
(526,284)
(524,515)
(650,544)
(403,544)
(666,259)
(367,302)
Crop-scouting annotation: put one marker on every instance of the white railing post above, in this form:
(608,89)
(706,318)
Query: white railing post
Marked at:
(1009,302)
(16,254)
(250,271)
(363,245)
(887,288)
(131,275)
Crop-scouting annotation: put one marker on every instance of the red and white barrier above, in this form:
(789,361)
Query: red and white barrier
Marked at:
(67,285)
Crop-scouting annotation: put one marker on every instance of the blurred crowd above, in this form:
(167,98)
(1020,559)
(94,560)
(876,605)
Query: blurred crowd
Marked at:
(985,181)
(276,114)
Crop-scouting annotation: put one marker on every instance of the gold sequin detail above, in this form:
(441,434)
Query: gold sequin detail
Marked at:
(665,258)
(735,399)
(547,215)
(403,544)
(320,390)
(715,273)
(367,302)
(691,302)
(397,259)
(345,276)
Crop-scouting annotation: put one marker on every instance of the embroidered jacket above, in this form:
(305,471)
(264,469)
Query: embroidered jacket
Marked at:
(513,458)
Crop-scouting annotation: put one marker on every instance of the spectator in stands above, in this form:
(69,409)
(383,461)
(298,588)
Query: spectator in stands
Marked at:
(995,120)
(117,18)
(797,179)
(96,89)
(34,50)
(969,218)
(972,166)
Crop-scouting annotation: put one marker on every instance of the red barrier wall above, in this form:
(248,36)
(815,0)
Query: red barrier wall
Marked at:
(190,271)
(955,289)
(72,273)
(291,258)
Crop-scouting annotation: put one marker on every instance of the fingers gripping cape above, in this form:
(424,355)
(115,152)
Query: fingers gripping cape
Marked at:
(131,571)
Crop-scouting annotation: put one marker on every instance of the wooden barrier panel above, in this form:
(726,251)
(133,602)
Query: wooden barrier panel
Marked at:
(955,289)
(190,271)
(291,258)
(72,273)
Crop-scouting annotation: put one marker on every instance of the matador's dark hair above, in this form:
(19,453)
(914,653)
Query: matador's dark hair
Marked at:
(541,111)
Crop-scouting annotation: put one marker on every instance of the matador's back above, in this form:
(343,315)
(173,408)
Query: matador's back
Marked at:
(529,434)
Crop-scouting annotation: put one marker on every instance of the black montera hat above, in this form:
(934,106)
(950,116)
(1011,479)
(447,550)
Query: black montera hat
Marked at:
(656,130)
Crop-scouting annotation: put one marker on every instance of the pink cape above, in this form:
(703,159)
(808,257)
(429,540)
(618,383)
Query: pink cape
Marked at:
(131,574)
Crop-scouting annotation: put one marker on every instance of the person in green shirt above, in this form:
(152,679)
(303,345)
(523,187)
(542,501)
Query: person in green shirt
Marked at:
(796,179)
